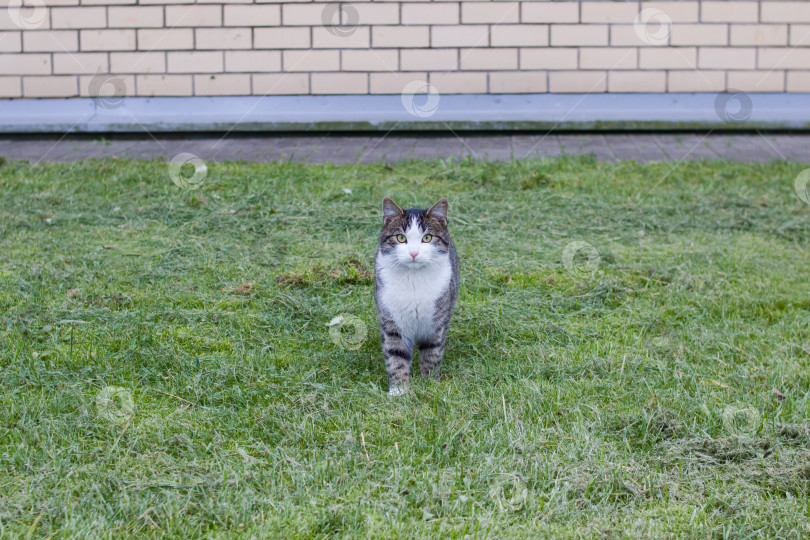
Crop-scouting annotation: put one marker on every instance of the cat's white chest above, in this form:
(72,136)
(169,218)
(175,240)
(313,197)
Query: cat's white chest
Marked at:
(410,297)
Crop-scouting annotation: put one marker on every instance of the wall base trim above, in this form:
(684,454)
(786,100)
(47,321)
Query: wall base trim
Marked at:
(461,112)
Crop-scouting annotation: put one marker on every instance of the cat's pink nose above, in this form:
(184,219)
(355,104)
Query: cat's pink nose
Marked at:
(414,254)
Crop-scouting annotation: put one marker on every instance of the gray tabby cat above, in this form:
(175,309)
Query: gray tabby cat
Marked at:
(415,288)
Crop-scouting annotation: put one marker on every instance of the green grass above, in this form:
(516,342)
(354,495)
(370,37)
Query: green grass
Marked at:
(664,394)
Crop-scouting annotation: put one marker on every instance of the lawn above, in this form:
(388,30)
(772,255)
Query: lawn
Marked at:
(629,356)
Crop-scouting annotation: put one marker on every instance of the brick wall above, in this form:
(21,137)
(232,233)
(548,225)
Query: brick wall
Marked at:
(67,48)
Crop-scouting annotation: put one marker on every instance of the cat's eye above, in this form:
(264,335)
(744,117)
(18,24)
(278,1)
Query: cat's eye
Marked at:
(427,238)
(401,238)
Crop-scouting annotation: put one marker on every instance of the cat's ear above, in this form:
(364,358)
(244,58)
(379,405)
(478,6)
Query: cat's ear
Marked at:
(390,208)
(439,210)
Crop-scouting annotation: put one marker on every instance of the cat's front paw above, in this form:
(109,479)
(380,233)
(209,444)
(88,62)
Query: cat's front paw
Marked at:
(396,390)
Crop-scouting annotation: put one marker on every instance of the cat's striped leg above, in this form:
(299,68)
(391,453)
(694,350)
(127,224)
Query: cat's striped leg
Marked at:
(398,356)
(430,356)
(431,350)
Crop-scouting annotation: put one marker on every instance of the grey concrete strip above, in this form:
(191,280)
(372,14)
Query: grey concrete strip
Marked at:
(595,145)
(793,148)
(275,149)
(392,148)
(753,149)
(688,146)
(536,146)
(631,147)
(326,151)
(389,149)
(489,148)
(438,148)
(498,112)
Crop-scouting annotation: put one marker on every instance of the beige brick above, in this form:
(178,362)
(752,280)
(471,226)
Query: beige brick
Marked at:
(726,58)
(369,60)
(524,35)
(164,85)
(323,38)
(311,60)
(677,12)
(623,35)
(10,42)
(10,87)
(258,15)
(429,59)
(25,64)
(103,85)
(548,59)
(759,34)
(281,38)
(280,84)
(56,41)
(400,36)
(393,83)
(377,13)
(788,12)
(783,58)
(488,59)
(549,12)
(108,40)
(138,62)
(737,11)
(459,36)
(757,81)
(75,63)
(248,61)
(572,34)
(430,13)
(166,39)
(800,35)
(118,2)
(344,24)
(579,82)
(196,16)
(35,18)
(195,62)
(490,12)
(699,34)
(79,17)
(696,81)
(221,85)
(218,1)
(607,58)
(54,3)
(135,17)
(518,82)
(222,38)
(668,58)
(798,81)
(459,83)
(52,86)
(637,81)
(339,83)
(609,12)
(304,14)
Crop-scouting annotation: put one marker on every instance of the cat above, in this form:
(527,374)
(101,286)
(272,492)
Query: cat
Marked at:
(415,289)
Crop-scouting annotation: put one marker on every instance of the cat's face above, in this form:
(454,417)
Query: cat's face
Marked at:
(413,239)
